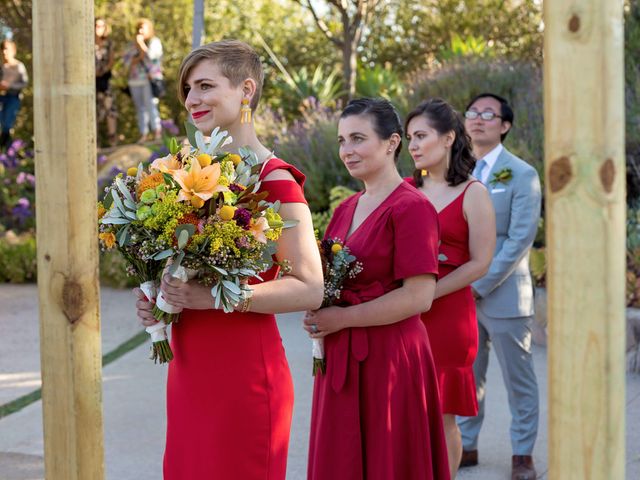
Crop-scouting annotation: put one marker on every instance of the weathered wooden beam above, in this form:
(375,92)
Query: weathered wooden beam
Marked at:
(65,145)
(585,219)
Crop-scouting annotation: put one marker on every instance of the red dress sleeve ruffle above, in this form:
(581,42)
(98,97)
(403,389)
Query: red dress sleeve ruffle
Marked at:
(285,191)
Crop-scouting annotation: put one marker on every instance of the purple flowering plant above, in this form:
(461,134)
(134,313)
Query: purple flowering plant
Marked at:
(17,188)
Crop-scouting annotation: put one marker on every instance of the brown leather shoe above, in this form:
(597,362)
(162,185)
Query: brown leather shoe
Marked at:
(469,458)
(522,468)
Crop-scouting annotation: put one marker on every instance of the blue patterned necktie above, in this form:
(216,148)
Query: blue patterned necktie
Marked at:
(477,171)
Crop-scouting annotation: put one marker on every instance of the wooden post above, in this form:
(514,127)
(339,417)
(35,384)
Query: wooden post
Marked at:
(585,205)
(65,144)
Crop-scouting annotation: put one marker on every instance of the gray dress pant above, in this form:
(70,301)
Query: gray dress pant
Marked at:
(511,338)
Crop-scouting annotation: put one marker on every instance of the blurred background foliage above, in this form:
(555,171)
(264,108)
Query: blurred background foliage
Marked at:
(409,51)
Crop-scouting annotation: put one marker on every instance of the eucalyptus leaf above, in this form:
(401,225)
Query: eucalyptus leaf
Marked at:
(163,254)
(221,271)
(231,286)
(115,221)
(183,239)
(126,194)
(191,130)
(130,205)
(289,223)
(117,202)
(131,215)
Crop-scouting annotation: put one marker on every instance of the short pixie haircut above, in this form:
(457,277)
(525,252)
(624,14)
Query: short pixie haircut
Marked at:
(237,61)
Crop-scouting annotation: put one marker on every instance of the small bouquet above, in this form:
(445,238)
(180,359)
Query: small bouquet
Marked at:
(337,265)
(196,212)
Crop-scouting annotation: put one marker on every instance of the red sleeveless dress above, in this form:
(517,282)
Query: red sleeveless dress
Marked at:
(376,412)
(229,389)
(451,321)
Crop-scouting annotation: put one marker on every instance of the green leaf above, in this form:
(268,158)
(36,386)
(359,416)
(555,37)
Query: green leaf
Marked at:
(131,215)
(117,202)
(115,221)
(163,254)
(231,286)
(289,223)
(183,239)
(124,190)
(123,236)
(108,201)
(221,271)
(191,130)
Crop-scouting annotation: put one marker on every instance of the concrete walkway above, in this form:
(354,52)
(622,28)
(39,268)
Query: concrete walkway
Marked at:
(133,395)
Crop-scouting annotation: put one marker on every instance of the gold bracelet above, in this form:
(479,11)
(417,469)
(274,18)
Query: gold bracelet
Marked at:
(246,302)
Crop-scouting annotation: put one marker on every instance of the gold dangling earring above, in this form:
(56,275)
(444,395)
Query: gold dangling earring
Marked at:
(424,173)
(245,111)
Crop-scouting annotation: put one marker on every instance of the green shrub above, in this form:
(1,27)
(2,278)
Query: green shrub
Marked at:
(321,219)
(17,188)
(113,270)
(311,144)
(18,262)
(521,83)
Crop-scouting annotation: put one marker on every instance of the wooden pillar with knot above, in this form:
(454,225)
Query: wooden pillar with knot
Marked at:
(65,146)
(585,195)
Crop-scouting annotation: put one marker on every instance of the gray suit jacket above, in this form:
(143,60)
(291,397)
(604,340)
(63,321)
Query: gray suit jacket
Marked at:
(506,290)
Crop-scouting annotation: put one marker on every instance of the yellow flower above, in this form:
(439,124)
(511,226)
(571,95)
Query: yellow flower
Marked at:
(257,229)
(204,159)
(335,248)
(132,172)
(227,212)
(101,210)
(235,158)
(198,184)
(108,239)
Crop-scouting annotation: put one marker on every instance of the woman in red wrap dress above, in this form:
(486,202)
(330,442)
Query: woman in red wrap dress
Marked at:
(376,412)
(440,148)
(229,389)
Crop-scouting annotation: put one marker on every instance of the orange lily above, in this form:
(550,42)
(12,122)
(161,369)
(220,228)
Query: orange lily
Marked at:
(198,184)
(168,164)
(257,229)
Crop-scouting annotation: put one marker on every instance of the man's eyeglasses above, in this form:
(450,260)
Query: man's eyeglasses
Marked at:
(486,115)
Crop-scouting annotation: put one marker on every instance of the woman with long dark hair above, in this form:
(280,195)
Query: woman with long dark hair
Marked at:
(441,151)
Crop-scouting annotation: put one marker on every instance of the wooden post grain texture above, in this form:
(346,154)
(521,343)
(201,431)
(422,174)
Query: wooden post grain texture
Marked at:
(65,145)
(585,220)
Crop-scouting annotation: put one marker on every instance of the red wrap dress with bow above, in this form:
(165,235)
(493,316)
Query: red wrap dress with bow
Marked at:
(229,389)
(451,321)
(376,412)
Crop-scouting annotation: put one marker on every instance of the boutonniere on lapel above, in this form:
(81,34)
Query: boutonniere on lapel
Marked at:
(502,176)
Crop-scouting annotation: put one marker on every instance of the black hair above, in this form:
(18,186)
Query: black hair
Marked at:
(506,112)
(385,118)
(443,119)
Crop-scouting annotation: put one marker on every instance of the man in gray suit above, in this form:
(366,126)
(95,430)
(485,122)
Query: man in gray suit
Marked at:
(504,296)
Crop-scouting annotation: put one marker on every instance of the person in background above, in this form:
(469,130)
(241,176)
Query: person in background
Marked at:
(441,151)
(13,79)
(504,296)
(105,57)
(143,61)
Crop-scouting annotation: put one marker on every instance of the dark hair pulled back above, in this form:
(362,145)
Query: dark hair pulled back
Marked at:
(443,118)
(385,118)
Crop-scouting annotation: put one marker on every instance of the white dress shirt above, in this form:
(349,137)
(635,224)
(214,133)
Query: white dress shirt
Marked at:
(490,160)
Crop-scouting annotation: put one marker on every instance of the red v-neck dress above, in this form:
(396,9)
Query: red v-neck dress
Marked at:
(376,412)
(451,321)
(229,389)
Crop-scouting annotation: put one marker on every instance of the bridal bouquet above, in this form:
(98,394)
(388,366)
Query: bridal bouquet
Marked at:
(337,265)
(197,214)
